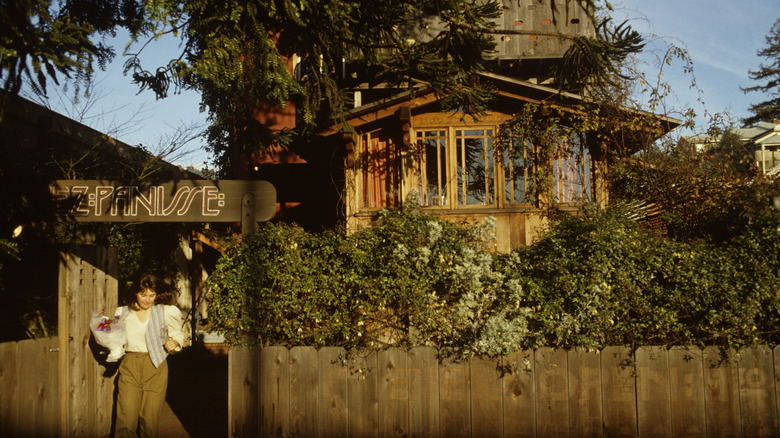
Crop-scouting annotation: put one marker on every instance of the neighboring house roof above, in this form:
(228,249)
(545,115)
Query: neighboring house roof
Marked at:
(26,124)
(767,134)
(763,133)
(764,136)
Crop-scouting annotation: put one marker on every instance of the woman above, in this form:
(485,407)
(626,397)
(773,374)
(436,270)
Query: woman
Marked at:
(154,328)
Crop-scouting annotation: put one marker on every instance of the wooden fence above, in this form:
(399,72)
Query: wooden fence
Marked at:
(29,399)
(56,386)
(305,392)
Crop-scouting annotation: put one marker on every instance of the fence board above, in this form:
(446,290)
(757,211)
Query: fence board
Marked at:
(686,384)
(776,357)
(333,393)
(519,395)
(619,392)
(552,389)
(653,400)
(9,377)
(243,389)
(304,392)
(721,393)
(363,396)
(424,393)
(393,393)
(274,384)
(37,393)
(487,410)
(106,297)
(585,412)
(757,393)
(455,399)
(83,385)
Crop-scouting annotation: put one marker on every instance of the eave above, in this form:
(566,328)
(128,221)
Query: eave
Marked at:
(511,88)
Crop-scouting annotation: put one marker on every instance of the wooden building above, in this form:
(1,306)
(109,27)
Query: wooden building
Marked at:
(398,146)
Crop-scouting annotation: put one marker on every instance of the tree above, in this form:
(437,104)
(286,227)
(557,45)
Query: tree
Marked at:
(236,52)
(40,40)
(768,76)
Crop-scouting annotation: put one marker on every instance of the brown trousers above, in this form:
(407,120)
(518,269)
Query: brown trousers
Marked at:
(141,395)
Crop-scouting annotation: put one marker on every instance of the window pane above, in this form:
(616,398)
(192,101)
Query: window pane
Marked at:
(571,171)
(432,167)
(475,167)
(518,168)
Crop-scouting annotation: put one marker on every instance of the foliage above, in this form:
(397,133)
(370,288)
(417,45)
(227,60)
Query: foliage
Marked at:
(768,78)
(600,280)
(598,61)
(40,39)
(593,280)
(711,194)
(238,54)
(410,280)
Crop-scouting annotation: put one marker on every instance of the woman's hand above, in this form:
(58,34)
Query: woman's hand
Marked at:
(171,345)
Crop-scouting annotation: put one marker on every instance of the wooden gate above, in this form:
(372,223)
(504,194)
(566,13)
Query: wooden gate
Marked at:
(87,282)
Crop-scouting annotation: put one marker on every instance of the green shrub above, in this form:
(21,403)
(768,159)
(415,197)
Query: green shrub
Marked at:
(600,280)
(591,281)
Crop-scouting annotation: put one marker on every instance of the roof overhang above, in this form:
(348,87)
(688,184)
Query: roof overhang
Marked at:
(511,88)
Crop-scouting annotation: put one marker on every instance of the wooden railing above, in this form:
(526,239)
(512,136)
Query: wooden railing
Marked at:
(305,392)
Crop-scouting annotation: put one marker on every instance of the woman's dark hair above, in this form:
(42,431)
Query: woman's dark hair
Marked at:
(166,293)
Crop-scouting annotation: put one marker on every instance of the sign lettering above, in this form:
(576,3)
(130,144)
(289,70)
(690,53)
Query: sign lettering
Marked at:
(172,201)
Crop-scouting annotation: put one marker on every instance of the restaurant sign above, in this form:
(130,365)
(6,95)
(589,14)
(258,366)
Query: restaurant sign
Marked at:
(171,201)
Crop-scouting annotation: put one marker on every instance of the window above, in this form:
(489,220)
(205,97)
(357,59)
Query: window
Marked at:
(461,167)
(768,158)
(380,181)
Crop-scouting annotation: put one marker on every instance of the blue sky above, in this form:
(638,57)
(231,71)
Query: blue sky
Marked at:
(722,38)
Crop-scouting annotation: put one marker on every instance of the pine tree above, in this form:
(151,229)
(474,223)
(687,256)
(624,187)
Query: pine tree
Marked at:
(768,76)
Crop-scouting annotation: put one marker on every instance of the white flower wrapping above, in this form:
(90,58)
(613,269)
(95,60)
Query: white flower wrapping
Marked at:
(110,333)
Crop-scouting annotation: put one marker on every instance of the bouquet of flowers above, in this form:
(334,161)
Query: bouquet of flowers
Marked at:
(110,333)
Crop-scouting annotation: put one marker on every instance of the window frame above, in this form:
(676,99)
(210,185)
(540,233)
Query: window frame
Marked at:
(368,196)
(449,186)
